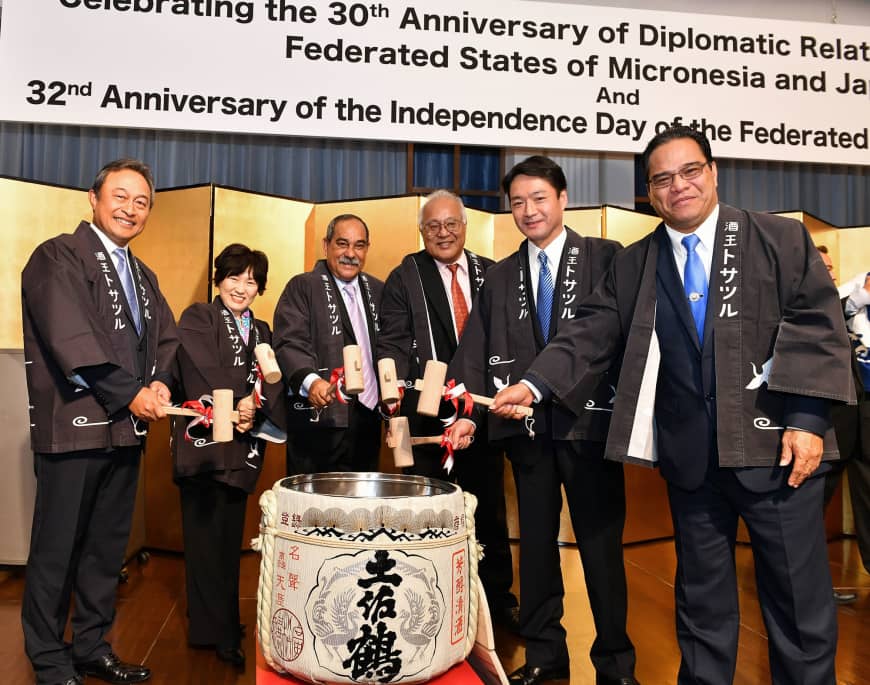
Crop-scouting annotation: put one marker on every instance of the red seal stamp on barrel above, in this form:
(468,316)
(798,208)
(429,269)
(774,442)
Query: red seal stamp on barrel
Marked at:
(288,638)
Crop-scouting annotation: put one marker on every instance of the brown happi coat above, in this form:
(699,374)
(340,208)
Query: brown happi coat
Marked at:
(76,315)
(213,355)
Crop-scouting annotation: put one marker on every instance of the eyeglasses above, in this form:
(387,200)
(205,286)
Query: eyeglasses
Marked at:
(450,225)
(687,173)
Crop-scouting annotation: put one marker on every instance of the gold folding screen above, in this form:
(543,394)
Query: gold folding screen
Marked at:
(30,213)
(189,225)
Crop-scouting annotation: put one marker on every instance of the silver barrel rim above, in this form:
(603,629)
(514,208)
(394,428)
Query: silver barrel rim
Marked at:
(366,485)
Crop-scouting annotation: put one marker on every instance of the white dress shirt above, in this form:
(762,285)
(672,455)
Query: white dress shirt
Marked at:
(706,233)
(554,256)
(110,247)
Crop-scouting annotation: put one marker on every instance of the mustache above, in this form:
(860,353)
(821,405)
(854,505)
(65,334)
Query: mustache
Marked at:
(349,261)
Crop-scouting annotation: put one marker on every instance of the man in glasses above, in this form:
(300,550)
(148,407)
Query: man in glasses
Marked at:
(526,300)
(729,340)
(333,305)
(427,299)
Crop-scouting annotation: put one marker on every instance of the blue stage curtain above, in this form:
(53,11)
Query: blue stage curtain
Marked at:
(320,170)
(311,169)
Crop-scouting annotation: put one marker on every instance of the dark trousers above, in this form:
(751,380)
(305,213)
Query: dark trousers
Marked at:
(595,491)
(792,577)
(81,524)
(355,448)
(480,471)
(859,484)
(213,520)
(852,425)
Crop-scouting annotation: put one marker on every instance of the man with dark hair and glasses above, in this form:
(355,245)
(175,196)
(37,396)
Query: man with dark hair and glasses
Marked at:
(728,337)
(427,299)
(528,298)
(333,305)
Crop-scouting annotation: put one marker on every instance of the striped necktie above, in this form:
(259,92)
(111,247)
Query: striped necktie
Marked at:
(544,303)
(460,306)
(129,289)
(369,395)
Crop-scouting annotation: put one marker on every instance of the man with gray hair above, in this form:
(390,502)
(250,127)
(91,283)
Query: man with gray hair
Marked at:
(426,302)
(333,305)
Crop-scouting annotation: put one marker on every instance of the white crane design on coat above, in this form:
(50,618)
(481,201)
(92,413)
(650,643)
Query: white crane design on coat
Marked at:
(759,377)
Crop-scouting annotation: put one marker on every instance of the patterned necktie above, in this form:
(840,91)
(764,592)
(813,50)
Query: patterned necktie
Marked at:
(369,395)
(695,284)
(544,303)
(460,306)
(129,289)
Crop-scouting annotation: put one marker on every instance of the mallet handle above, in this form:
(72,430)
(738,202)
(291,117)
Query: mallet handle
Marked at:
(180,411)
(482,399)
(427,440)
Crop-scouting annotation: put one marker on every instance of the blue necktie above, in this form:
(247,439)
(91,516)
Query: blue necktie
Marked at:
(129,288)
(695,284)
(544,304)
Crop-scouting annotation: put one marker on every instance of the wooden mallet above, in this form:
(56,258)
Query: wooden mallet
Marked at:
(387,379)
(431,389)
(353,372)
(268,364)
(400,441)
(353,376)
(223,414)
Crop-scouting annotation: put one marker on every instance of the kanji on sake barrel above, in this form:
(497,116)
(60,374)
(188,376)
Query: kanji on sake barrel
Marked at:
(366,577)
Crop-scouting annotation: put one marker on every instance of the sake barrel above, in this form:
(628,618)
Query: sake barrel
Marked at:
(366,577)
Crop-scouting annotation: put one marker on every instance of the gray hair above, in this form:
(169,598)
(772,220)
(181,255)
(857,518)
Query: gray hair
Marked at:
(436,195)
(330,229)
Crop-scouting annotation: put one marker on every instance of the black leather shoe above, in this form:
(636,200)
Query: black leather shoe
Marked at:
(844,596)
(232,655)
(604,680)
(111,669)
(532,675)
(75,680)
(507,617)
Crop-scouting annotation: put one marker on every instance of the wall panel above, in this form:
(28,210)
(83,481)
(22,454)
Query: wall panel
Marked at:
(625,226)
(392,226)
(175,245)
(854,252)
(274,225)
(506,236)
(584,220)
(479,233)
(30,213)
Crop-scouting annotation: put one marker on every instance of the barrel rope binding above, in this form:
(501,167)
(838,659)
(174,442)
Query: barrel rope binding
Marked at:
(475,553)
(265,545)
